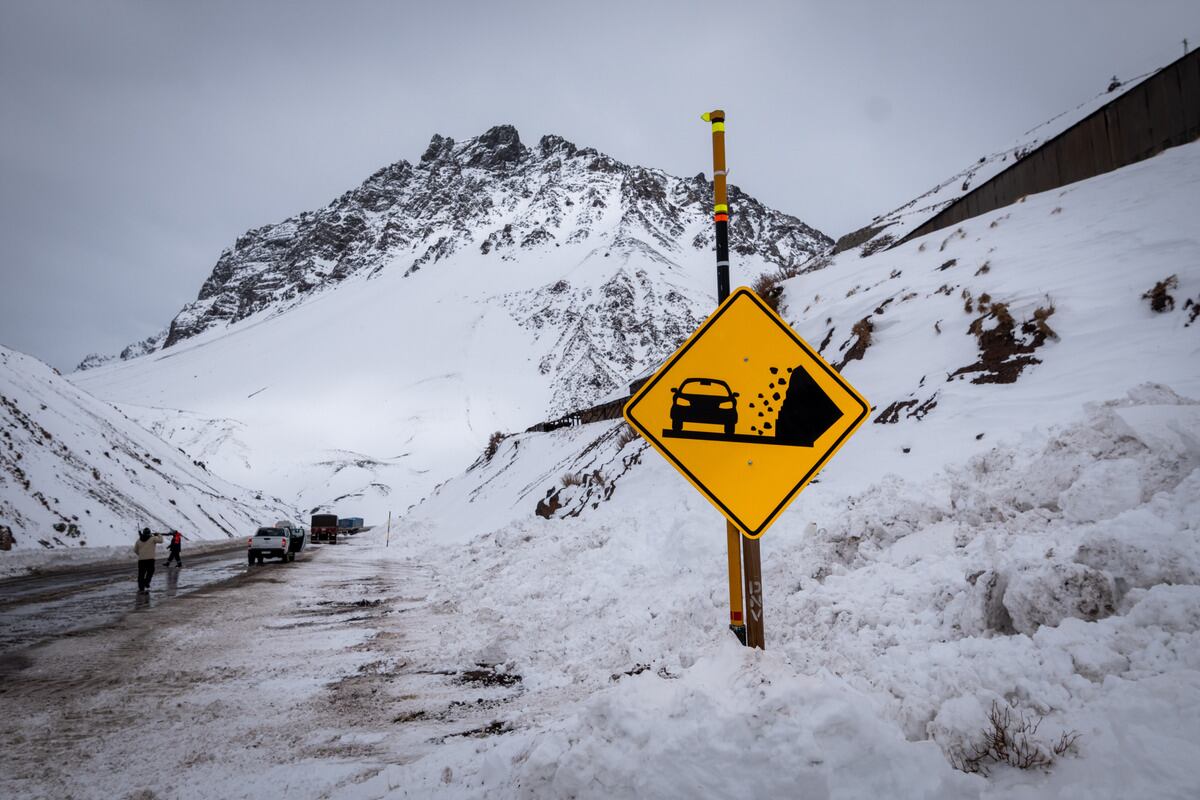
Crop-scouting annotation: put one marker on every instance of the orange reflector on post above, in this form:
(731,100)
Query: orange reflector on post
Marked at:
(720,217)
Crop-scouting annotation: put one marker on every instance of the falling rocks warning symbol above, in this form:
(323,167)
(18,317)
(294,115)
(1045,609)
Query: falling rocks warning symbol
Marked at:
(747,412)
(806,411)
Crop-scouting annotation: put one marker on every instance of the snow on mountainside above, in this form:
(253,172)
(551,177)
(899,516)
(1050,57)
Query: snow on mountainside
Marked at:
(490,193)
(1017,526)
(75,471)
(974,334)
(488,287)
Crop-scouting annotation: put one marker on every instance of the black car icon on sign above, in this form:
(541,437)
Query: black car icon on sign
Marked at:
(704,401)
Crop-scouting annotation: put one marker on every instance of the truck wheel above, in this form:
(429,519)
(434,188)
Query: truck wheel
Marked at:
(250,559)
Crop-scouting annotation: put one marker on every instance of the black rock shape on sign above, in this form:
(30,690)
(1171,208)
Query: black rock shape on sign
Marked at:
(806,411)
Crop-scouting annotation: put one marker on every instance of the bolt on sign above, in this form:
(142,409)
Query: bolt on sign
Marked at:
(747,411)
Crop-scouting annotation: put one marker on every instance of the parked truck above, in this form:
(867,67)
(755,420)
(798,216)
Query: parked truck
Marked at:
(350,524)
(324,528)
(282,542)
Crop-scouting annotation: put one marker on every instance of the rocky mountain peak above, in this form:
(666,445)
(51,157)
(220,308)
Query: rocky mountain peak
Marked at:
(499,146)
(552,145)
(439,147)
(490,194)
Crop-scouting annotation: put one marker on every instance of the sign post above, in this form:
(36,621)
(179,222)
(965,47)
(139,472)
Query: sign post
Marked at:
(754,619)
(733,536)
(749,414)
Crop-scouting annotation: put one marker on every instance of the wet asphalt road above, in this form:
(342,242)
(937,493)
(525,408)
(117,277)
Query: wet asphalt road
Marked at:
(37,608)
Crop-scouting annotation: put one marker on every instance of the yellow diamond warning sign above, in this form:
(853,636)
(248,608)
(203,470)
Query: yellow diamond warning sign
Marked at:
(747,411)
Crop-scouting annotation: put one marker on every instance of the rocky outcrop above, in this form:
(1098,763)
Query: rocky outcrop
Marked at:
(93,360)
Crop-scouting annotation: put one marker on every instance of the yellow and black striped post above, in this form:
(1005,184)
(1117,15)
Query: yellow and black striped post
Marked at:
(720,201)
(733,537)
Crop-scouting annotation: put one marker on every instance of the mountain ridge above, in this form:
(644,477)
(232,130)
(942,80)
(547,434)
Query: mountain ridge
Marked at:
(491,192)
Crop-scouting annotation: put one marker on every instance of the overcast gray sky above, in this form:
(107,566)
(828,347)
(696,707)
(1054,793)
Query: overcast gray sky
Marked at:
(138,139)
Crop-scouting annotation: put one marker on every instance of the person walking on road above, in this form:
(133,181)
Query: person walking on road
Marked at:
(173,548)
(144,547)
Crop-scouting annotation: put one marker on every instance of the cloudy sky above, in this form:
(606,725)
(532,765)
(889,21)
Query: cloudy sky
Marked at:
(138,139)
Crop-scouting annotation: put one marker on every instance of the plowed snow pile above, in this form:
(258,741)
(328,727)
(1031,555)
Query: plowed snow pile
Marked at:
(1057,580)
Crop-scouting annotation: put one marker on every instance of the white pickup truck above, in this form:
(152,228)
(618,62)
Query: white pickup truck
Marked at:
(280,542)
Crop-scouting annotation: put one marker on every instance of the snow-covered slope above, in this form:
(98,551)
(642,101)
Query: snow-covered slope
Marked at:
(486,288)
(75,471)
(992,331)
(1015,318)
(1016,533)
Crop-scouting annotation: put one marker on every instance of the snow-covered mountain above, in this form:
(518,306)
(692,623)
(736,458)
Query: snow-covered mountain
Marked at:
(75,471)
(490,193)
(487,287)
(1010,549)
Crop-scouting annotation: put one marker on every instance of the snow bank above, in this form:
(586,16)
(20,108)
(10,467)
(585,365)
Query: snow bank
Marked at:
(892,628)
(736,724)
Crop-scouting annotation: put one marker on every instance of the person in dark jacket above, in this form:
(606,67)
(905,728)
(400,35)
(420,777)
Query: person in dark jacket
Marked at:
(144,548)
(173,548)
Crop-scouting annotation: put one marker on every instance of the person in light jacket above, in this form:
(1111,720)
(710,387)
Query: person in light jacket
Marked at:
(145,547)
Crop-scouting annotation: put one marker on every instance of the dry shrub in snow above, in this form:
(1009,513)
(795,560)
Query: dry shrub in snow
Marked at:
(1160,297)
(877,244)
(857,347)
(1005,348)
(768,288)
(959,233)
(1040,315)
(1010,738)
(572,479)
(626,435)
(493,445)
